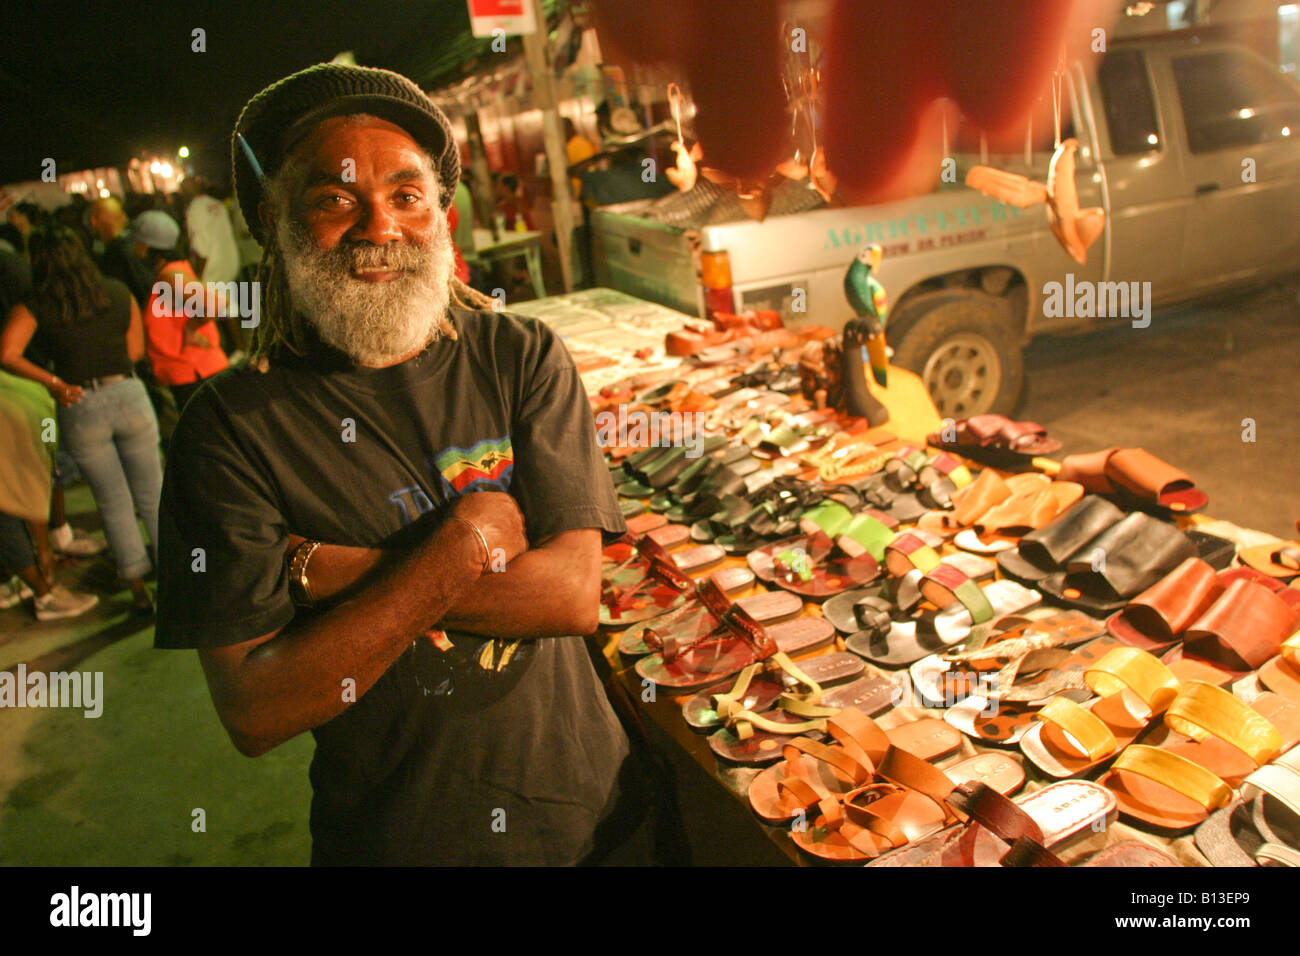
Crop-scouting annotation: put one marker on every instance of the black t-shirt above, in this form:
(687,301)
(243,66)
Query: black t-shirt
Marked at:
(91,346)
(442,761)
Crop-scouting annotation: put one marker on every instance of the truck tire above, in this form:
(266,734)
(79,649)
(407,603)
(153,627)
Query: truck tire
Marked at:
(967,353)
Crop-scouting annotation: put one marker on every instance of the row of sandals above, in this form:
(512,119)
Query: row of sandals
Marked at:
(1122,693)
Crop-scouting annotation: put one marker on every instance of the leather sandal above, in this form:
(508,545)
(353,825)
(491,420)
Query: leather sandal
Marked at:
(673,632)
(1262,827)
(1052,817)
(1133,687)
(1211,742)
(1135,476)
(738,642)
(767,687)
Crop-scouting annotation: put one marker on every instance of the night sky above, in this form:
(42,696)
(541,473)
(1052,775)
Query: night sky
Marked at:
(92,84)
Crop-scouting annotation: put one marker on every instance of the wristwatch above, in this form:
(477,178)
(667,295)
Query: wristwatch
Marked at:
(299,584)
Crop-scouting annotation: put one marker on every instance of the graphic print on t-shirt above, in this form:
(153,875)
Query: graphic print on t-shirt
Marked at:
(487,466)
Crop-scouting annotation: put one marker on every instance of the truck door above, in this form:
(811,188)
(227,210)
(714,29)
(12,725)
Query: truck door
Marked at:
(1241,119)
(1148,202)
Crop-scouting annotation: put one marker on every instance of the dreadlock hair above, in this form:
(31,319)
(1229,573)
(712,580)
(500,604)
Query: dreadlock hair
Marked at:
(282,327)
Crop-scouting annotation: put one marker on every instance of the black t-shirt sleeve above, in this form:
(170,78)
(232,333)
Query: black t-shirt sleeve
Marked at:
(221,573)
(560,478)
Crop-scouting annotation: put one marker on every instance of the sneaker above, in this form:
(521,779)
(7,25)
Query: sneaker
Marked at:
(13,592)
(65,540)
(61,603)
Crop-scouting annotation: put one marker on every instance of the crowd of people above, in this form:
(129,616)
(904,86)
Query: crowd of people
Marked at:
(94,360)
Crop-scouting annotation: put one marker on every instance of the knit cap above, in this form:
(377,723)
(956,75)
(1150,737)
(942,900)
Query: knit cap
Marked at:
(287,110)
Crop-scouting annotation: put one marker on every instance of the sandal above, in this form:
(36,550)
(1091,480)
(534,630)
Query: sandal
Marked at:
(673,632)
(767,687)
(1261,828)
(908,803)
(737,642)
(1070,739)
(1213,742)
(1135,475)
(1051,817)
(994,439)
(812,771)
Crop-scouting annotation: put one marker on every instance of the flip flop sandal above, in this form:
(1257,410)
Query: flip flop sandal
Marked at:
(940,479)
(738,642)
(1118,564)
(630,507)
(1046,550)
(671,633)
(1277,560)
(1282,674)
(911,555)
(1051,817)
(693,560)
(944,680)
(908,802)
(910,641)
(810,566)
(766,688)
(969,605)
(1263,826)
(1133,687)
(1214,742)
(765,735)
(997,720)
(1243,629)
(902,472)
(1135,475)
(812,771)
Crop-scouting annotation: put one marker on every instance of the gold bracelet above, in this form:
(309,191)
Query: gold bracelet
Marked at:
(298,579)
(487,552)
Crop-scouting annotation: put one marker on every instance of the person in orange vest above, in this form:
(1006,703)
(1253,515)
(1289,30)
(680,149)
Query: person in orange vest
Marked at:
(184,349)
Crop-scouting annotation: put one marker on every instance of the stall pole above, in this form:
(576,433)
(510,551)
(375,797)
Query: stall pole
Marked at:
(557,160)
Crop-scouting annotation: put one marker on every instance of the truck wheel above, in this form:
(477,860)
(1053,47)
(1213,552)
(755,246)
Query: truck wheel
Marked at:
(966,354)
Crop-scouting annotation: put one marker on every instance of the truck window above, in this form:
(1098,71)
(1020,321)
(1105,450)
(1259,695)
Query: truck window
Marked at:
(1129,103)
(1230,100)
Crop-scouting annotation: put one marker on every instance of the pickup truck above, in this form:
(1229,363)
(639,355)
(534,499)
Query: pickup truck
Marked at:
(1191,148)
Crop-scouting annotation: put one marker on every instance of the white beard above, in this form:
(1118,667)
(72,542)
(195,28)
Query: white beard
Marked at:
(375,323)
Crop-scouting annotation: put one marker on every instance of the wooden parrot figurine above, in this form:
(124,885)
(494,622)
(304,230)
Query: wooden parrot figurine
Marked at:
(1075,229)
(868,299)
(864,337)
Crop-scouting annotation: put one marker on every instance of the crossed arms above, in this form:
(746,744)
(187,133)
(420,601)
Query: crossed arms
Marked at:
(274,687)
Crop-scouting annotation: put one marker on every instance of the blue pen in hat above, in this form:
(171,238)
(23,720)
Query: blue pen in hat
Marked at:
(252,157)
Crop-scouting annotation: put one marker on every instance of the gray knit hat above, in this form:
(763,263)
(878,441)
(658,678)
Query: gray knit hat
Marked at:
(283,113)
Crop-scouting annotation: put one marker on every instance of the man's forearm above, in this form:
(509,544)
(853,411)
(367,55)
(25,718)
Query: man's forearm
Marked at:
(541,593)
(295,681)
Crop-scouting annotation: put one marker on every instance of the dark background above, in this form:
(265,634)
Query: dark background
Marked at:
(93,84)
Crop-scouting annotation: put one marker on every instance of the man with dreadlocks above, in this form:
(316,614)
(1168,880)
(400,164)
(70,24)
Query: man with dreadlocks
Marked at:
(386,528)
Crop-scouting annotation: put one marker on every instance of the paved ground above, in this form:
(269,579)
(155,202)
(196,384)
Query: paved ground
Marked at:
(1181,389)
(123,788)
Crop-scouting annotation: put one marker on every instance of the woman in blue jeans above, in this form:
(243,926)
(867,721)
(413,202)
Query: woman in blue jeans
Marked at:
(90,328)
